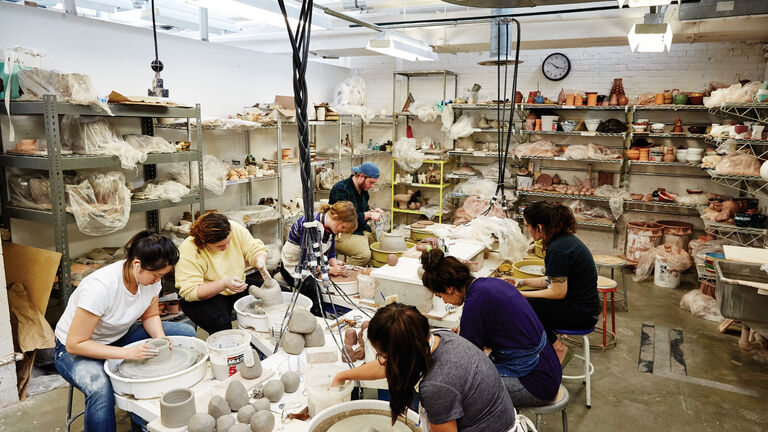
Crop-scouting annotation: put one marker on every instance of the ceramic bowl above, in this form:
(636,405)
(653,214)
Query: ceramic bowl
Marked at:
(695,151)
(568,125)
(393,242)
(592,125)
(657,127)
(639,127)
(693,158)
(681,155)
(742,220)
(642,121)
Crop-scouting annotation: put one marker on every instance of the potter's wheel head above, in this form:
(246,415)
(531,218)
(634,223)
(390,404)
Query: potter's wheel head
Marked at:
(180,358)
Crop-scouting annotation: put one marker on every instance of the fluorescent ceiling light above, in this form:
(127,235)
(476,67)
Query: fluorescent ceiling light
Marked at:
(645,3)
(403,47)
(260,11)
(186,17)
(650,37)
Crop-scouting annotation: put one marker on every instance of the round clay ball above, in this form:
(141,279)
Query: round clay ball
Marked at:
(261,404)
(236,395)
(262,421)
(302,321)
(273,390)
(315,339)
(238,427)
(245,413)
(292,343)
(223,423)
(201,423)
(392,259)
(254,371)
(290,381)
(218,407)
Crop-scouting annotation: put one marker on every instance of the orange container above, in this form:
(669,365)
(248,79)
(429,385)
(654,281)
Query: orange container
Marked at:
(569,99)
(591,98)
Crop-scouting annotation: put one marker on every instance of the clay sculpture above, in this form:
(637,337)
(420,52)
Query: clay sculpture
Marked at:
(223,423)
(290,381)
(254,371)
(262,421)
(218,407)
(201,423)
(292,343)
(177,407)
(236,395)
(239,427)
(402,199)
(302,321)
(315,339)
(261,404)
(273,390)
(245,413)
(269,293)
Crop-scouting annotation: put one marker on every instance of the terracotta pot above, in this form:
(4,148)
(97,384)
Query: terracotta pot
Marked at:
(669,154)
(286,153)
(659,100)
(569,99)
(644,153)
(633,154)
(578,101)
(538,124)
(591,98)
(623,100)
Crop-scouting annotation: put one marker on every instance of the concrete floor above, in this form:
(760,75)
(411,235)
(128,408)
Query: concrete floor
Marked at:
(724,388)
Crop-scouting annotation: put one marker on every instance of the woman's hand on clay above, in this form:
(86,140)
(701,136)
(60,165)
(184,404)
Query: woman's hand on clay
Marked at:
(234,284)
(140,352)
(338,380)
(170,341)
(338,270)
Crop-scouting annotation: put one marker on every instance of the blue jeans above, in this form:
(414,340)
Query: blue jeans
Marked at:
(88,375)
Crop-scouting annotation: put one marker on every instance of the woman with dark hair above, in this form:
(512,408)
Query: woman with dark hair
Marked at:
(100,319)
(498,317)
(567,298)
(459,389)
(210,275)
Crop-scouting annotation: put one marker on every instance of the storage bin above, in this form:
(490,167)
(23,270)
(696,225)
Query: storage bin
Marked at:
(738,301)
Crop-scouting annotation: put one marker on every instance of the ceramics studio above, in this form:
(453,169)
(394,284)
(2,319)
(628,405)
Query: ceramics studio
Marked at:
(333,216)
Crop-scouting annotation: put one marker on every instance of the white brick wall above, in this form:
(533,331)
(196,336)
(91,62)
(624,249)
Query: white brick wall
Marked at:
(688,67)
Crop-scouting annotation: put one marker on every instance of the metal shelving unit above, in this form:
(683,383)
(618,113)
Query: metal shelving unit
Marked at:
(55,164)
(747,184)
(440,187)
(562,196)
(396,114)
(750,111)
(526,106)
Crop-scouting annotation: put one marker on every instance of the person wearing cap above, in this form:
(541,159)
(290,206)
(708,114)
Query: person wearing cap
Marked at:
(356,246)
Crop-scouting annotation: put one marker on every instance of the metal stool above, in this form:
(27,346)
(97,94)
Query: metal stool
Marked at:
(607,286)
(71,419)
(589,369)
(559,405)
(613,263)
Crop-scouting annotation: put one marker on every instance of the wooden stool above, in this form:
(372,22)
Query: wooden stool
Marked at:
(560,404)
(71,419)
(604,287)
(613,263)
(589,368)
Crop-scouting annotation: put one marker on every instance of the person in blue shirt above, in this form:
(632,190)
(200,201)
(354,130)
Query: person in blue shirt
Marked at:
(496,316)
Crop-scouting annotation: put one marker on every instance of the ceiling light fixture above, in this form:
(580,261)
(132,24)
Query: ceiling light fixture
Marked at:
(645,3)
(650,37)
(395,45)
(261,11)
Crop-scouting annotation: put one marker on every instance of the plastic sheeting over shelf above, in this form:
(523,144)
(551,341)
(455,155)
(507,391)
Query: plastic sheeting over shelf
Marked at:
(214,174)
(512,244)
(94,135)
(350,98)
(408,157)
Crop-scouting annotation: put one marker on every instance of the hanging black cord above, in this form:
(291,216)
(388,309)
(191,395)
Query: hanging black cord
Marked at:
(154,29)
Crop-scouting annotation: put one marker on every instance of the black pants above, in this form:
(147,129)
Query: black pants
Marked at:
(559,314)
(215,313)
(307,288)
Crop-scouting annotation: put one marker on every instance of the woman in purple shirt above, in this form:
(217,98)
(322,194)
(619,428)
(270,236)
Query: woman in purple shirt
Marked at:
(496,316)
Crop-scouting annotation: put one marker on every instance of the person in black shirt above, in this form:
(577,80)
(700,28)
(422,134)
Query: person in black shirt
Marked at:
(568,296)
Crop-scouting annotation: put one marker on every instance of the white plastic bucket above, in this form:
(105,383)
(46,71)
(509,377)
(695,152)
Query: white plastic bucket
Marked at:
(549,123)
(665,277)
(228,349)
(320,394)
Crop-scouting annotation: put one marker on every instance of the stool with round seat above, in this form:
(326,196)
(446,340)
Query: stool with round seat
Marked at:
(560,404)
(607,286)
(589,369)
(613,263)
(71,419)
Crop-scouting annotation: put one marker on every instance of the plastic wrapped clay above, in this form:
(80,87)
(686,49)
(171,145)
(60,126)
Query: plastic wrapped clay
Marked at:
(360,352)
(201,423)
(302,321)
(292,343)
(254,371)
(350,337)
(262,421)
(236,395)
(245,413)
(238,427)
(218,407)
(223,423)
(261,404)
(290,381)
(273,390)
(315,339)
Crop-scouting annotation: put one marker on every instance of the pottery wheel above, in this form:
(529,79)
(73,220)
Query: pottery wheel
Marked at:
(350,277)
(254,308)
(181,358)
(366,422)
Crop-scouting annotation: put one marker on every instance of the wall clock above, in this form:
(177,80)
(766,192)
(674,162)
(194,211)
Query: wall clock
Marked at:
(556,66)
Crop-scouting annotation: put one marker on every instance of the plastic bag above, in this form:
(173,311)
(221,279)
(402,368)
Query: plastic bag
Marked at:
(740,164)
(252,214)
(74,88)
(583,210)
(94,135)
(676,259)
(611,192)
(350,98)
(214,174)
(30,191)
(107,213)
(541,148)
(447,118)
(735,93)
(492,171)
(590,151)
(701,305)
(692,199)
(513,245)
(166,189)
(462,128)
(407,156)
(427,112)
(699,249)
(474,206)
(483,188)
(149,144)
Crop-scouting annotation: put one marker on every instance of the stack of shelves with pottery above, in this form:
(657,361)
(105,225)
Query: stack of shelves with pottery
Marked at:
(757,147)
(405,100)
(596,223)
(745,236)
(747,184)
(437,167)
(528,106)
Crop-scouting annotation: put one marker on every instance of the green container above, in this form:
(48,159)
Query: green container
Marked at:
(14,80)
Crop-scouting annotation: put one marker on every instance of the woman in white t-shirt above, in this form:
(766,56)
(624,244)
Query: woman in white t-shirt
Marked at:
(101,318)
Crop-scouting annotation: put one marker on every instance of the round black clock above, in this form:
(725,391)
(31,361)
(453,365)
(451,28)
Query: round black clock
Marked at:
(556,66)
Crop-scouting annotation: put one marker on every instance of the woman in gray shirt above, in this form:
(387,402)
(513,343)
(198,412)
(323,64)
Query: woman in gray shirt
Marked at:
(459,388)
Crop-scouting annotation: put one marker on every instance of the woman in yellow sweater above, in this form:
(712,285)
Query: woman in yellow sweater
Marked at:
(210,275)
